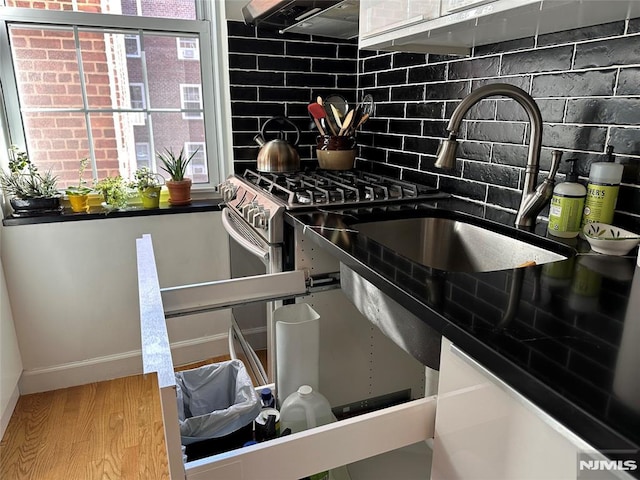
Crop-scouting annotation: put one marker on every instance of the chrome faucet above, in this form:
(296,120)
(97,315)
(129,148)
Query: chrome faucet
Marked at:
(533,200)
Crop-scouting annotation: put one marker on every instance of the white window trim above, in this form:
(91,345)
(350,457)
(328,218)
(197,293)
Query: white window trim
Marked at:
(212,31)
(181,50)
(190,115)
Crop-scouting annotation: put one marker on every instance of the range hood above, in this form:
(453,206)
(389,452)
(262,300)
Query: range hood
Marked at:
(328,18)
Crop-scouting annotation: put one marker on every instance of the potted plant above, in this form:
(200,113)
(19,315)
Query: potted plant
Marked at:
(115,192)
(149,185)
(176,166)
(79,194)
(31,192)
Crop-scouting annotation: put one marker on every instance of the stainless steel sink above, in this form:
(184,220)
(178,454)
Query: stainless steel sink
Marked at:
(454,245)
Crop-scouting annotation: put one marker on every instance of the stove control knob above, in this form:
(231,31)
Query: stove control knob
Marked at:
(260,218)
(228,191)
(246,209)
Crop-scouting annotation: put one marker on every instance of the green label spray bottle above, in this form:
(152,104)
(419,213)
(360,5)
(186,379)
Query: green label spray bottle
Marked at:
(567,205)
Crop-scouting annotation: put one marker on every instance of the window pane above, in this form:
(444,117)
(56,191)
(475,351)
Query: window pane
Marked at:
(197,169)
(46,67)
(57,141)
(166,72)
(170,130)
(101,61)
(184,9)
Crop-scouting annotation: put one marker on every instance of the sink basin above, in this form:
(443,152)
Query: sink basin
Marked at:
(454,245)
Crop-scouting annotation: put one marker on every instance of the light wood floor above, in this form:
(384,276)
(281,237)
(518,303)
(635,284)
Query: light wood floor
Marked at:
(105,430)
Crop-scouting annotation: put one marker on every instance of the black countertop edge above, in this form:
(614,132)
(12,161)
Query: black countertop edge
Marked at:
(204,205)
(594,431)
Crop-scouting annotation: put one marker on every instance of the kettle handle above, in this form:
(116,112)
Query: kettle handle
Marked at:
(281,120)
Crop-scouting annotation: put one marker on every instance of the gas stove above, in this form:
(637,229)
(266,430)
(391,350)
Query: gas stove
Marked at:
(261,198)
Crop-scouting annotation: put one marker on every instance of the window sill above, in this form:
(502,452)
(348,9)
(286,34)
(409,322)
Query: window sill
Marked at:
(95,213)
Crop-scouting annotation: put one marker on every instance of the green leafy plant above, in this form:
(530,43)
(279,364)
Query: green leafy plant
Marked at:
(115,191)
(175,164)
(81,188)
(145,178)
(24,180)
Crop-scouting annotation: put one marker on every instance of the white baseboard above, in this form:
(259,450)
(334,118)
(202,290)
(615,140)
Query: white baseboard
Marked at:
(118,365)
(8,411)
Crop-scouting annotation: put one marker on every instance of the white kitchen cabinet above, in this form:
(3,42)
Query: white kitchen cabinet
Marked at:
(379,16)
(485,429)
(461,25)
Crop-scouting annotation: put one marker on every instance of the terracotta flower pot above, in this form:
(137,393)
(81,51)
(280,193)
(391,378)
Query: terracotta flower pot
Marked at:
(179,192)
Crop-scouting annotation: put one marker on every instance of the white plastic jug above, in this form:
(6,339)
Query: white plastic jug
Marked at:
(305,409)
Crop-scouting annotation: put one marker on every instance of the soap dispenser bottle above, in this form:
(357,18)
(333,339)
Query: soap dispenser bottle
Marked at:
(602,190)
(567,205)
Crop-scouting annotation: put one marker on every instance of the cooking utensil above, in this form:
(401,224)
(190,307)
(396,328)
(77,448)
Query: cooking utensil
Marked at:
(326,115)
(336,116)
(278,155)
(367,104)
(339,102)
(363,119)
(347,122)
(317,112)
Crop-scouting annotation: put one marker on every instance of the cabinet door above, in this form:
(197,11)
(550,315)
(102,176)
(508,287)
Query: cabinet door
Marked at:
(379,16)
(484,429)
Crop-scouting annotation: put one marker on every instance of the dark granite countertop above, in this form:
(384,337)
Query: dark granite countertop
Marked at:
(570,347)
(98,212)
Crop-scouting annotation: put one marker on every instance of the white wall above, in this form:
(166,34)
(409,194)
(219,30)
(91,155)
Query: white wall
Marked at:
(233,9)
(73,290)
(10,362)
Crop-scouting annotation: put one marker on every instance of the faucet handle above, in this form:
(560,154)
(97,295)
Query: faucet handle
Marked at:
(556,157)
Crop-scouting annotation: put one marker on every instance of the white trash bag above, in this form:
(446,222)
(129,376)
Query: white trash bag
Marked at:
(215,400)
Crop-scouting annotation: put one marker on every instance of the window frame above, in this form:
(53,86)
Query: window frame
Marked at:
(184,101)
(214,88)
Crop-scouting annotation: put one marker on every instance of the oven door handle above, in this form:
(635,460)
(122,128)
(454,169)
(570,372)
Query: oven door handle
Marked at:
(239,237)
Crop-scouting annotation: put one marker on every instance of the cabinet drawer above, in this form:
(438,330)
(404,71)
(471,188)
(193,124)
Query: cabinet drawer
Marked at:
(290,457)
(323,448)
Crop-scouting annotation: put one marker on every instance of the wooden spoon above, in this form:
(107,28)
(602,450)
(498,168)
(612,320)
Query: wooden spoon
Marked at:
(336,116)
(347,123)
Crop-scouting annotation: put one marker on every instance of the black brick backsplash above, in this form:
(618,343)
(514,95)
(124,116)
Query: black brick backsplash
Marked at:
(586,83)
(273,74)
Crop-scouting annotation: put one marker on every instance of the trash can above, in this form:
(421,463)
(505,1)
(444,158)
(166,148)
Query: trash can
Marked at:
(217,404)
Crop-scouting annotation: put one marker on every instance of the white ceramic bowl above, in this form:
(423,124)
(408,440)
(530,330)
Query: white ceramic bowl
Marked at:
(610,240)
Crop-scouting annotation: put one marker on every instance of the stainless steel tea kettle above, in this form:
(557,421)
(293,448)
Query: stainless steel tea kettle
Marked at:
(278,155)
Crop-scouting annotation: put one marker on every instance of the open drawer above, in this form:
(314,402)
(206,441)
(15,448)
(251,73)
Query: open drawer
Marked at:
(291,457)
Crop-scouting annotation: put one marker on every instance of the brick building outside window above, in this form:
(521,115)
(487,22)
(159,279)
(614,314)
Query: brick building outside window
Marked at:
(112,93)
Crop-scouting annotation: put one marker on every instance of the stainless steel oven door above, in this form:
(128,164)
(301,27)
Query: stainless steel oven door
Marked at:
(251,336)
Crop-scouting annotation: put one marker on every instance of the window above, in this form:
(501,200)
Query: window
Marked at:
(132,45)
(112,88)
(191,99)
(198,166)
(188,49)
(143,155)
